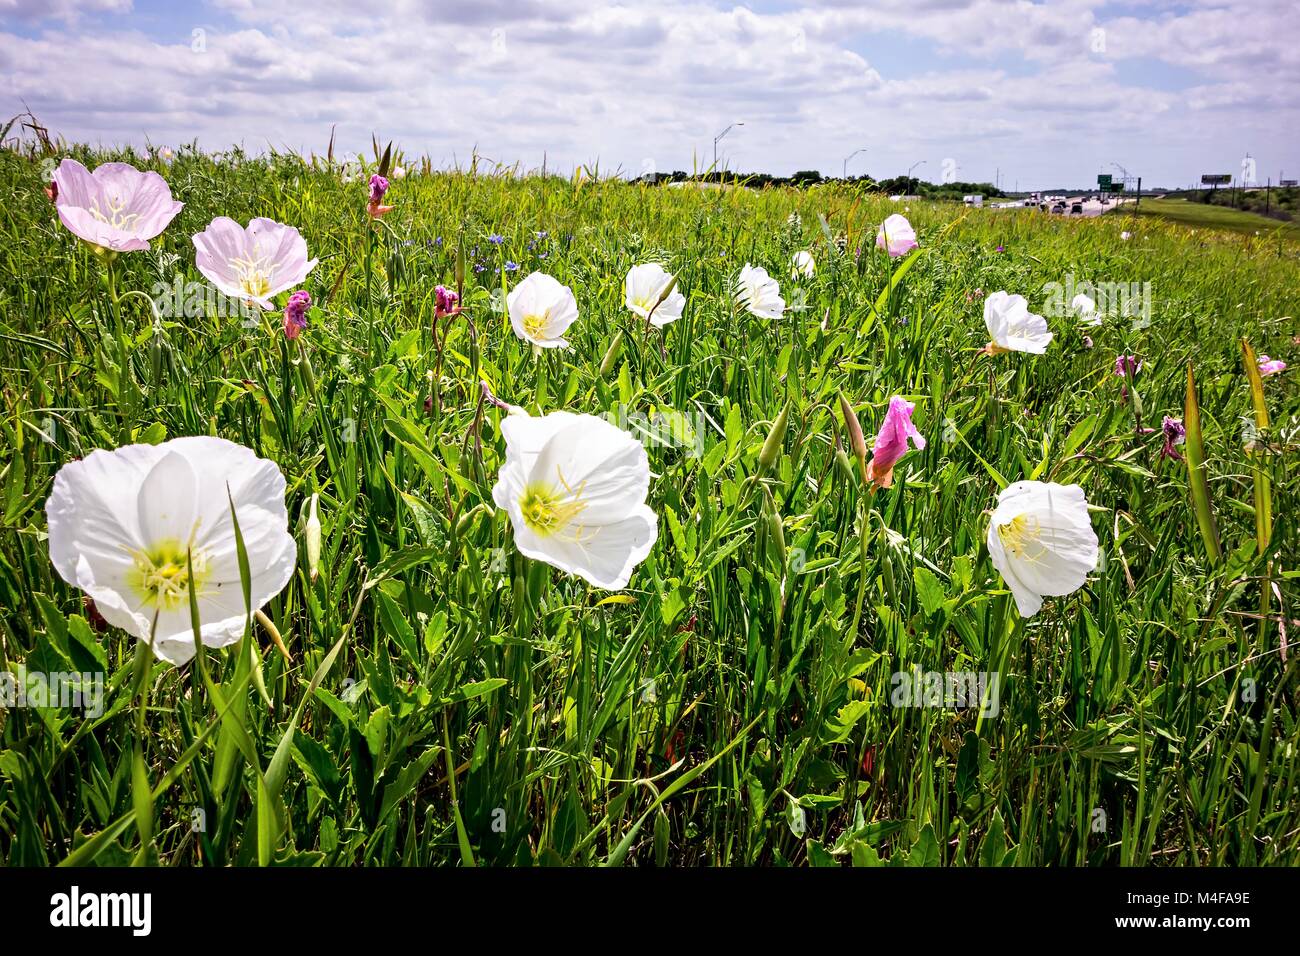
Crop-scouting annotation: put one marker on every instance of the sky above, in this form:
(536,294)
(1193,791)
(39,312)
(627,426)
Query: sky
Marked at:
(1035,94)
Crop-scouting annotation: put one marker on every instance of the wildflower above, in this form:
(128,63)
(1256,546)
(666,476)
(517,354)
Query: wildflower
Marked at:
(446,302)
(254,264)
(1268,366)
(295,314)
(1086,309)
(896,236)
(1041,541)
(496,240)
(541,310)
(1175,434)
(1126,366)
(511,266)
(1012,327)
(117,208)
(137,529)
(375,207)
(650,292)
(891,442)
(574,488)
(802,264)
(759,293)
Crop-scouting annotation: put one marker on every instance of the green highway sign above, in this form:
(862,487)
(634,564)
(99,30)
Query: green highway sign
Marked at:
(1103,180)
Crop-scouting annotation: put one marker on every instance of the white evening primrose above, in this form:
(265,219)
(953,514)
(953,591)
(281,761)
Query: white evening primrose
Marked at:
(645,286)
(802,264)
(1041,541)
(253,264)
(1086,309)
(574,487)
(126,526)
(1012,327)
(541,310)
(759,293)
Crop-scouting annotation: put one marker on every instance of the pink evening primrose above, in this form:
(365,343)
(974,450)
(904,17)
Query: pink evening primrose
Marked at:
(896,236)
(891,442)
(1268,366)
(1175,434)
(253,264)
(1126,366)
(447,302)
(295,314)
(117,208)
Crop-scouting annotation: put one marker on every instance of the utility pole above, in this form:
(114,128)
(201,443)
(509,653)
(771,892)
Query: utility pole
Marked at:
(844,170)
(717,138)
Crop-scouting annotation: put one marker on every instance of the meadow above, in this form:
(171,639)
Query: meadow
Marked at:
(426,694)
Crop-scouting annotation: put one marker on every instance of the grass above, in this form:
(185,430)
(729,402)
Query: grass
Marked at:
(449,702)
(1204,216)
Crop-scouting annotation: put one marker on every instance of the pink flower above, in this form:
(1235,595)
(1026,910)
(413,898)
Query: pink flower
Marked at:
(1087,341)
(896,236)
(1268,366)
(254,264)
(378,186)
(1175,434)
(1126,366)
(448,302)
(116,208)
(295,313)
(891,442)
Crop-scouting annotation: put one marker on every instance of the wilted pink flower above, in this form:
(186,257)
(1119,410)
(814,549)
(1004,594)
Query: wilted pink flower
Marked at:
(295,313)
(117,208)
(896,236)
(1268,366)
(973,296)
(448,302)
(254,264)
(378,186)
(891,442)
(1126,366)
(1087,341)
(1175,434)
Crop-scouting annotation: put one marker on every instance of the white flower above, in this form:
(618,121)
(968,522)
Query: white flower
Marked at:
(1126,235)
(802,264)
(1086,309)
(123,523)
(645,286)
(759,293)
(574,487)
(1041,541)
(541,310)
(1012,327)
(399,172)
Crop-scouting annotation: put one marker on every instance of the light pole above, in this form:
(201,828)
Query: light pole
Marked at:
(844,171)
(718,138)
(1123,173)
(919,162)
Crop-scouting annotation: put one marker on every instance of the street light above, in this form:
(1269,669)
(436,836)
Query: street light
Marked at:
(919,162)
(718,138)
(844,172)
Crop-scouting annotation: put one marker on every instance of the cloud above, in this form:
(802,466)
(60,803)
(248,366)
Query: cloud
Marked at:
(1058,87)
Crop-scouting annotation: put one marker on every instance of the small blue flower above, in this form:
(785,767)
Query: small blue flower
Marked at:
(512,266)
(496,240)
(438,241)
(479,267)
(541,234)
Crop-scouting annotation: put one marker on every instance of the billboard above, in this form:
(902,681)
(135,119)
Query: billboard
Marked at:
(1215,179)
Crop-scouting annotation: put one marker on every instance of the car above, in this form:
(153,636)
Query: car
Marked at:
(1058,207)
(1076,209)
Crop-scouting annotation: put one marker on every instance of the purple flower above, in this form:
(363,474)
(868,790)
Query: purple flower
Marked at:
(495,239)
(447,301)
(1268,366)
(378,186)
(1000,249)
(1175,434)
(295,314)
(891,442)
(512,266)
(540,234)
(479,267)
(1126,366)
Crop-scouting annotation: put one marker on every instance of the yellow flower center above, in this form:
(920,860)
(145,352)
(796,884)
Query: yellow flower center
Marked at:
(549,509)
(161,576)
(254,275)
(1020,536)
(535,325)
(115,217)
